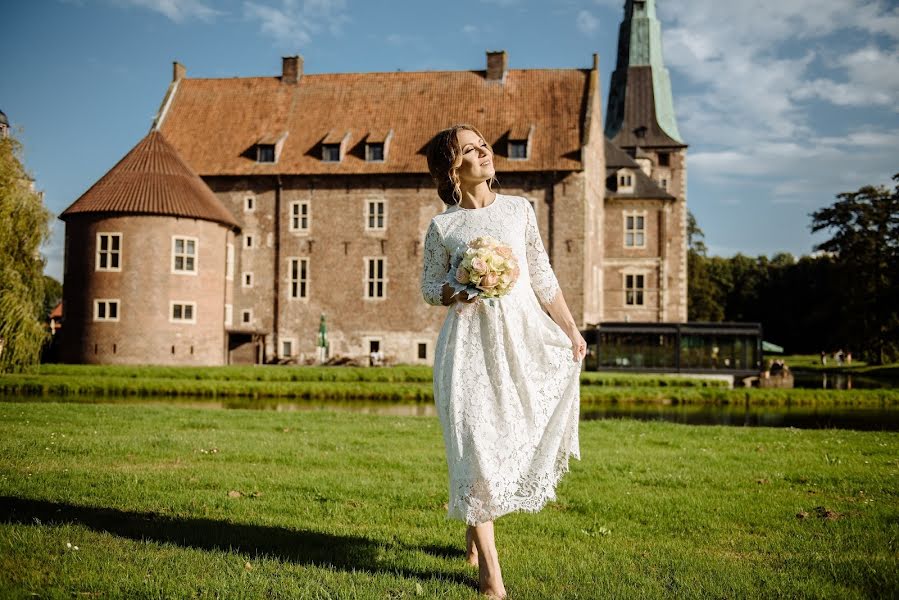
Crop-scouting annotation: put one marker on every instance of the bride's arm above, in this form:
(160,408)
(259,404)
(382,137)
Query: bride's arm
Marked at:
(558,310)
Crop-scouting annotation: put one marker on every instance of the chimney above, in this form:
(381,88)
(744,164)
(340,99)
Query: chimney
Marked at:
(179,71)
(595,61)
(497,65)
(291,69)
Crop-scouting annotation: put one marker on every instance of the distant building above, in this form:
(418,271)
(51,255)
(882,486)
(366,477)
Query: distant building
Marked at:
(319,183)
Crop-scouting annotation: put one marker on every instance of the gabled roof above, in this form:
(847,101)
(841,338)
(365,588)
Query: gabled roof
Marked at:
(644,187)
(618,158)
(152,179)
(214,123)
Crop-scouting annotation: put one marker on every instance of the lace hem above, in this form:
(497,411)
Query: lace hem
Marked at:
(472,510)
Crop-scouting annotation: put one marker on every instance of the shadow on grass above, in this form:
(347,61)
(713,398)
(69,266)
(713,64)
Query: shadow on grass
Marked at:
(349,553)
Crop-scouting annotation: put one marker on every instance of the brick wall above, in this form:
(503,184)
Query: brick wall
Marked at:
(338,242)
(145,287)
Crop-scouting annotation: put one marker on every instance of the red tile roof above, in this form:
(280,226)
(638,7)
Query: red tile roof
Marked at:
(152,179)
(214,123)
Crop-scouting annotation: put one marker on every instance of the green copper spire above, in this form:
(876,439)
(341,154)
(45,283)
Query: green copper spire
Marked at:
(640,45)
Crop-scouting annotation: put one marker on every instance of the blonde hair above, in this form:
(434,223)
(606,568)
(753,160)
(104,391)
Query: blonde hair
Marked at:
(444,159)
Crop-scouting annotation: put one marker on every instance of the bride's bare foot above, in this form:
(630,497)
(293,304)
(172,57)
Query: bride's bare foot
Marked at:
(490,579)
(471,550)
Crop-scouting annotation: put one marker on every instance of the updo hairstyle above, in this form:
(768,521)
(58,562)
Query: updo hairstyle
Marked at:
(444,159)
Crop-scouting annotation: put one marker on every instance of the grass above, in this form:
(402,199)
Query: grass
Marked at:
(812,362)
(397,374)
(388,384)
(337,505)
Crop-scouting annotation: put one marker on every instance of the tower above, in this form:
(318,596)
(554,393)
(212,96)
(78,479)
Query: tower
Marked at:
(641,121)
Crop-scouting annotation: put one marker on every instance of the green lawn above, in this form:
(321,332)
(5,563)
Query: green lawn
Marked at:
(387,384)
(173,502)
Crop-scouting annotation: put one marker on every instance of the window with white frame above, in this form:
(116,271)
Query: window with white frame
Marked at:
(376,215)
(106,309)
(299,216)
(109,252)
(246,279)
(182,312)
(229,315)
(625,181)
(246,316)
(635,230)
(298,272)
(375,277)
(287,345)
(633,289)
(249,203)
(663,183)
(248,240)
(229,262)
(374,151)
(184,255)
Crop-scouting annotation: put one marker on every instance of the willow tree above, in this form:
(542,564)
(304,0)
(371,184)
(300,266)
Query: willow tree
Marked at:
(24,225)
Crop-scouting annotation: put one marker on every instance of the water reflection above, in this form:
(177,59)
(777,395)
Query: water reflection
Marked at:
(839,381)
(800,417)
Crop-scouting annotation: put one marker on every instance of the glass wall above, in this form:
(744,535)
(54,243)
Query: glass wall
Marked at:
(674,347)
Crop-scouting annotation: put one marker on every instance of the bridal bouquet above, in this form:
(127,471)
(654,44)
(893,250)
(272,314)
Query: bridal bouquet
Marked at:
(486,268)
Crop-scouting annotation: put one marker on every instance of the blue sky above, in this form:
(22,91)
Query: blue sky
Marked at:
(784,104)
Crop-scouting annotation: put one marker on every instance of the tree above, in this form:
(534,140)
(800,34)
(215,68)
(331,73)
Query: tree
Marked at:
(24,225)
(865,244)
(703,296)
(52,294)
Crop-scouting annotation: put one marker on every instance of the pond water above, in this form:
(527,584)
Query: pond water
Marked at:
(800,417)
(839,381)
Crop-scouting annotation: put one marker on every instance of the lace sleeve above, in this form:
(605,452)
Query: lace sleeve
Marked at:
(543,280)
(435,268)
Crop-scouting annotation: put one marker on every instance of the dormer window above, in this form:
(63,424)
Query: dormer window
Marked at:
(519,142)
(374,152)
(518,149)
(334,146)
(331,152)
(268,147)
(625,180)
(377,145)
(265,153)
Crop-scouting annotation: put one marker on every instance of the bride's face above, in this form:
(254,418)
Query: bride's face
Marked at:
(477,159)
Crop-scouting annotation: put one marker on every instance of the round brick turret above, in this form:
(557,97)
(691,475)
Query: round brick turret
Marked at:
(146,265)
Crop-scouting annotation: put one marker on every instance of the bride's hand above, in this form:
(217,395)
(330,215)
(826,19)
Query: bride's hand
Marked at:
(463,298)
(578,346)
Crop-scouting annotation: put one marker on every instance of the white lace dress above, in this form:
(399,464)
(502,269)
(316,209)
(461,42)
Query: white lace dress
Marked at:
(506,388)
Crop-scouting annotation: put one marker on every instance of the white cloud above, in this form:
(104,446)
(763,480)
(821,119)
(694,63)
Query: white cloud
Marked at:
(293,22)
(586,22)
(756,75)
(178,11)
(810,171)
(872,79)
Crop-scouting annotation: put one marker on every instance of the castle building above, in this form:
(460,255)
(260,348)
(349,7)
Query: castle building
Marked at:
(319,183)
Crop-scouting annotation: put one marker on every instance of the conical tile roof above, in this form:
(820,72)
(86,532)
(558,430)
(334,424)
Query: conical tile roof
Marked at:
(152,179)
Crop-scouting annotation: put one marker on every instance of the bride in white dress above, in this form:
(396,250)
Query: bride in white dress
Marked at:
(506,374)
